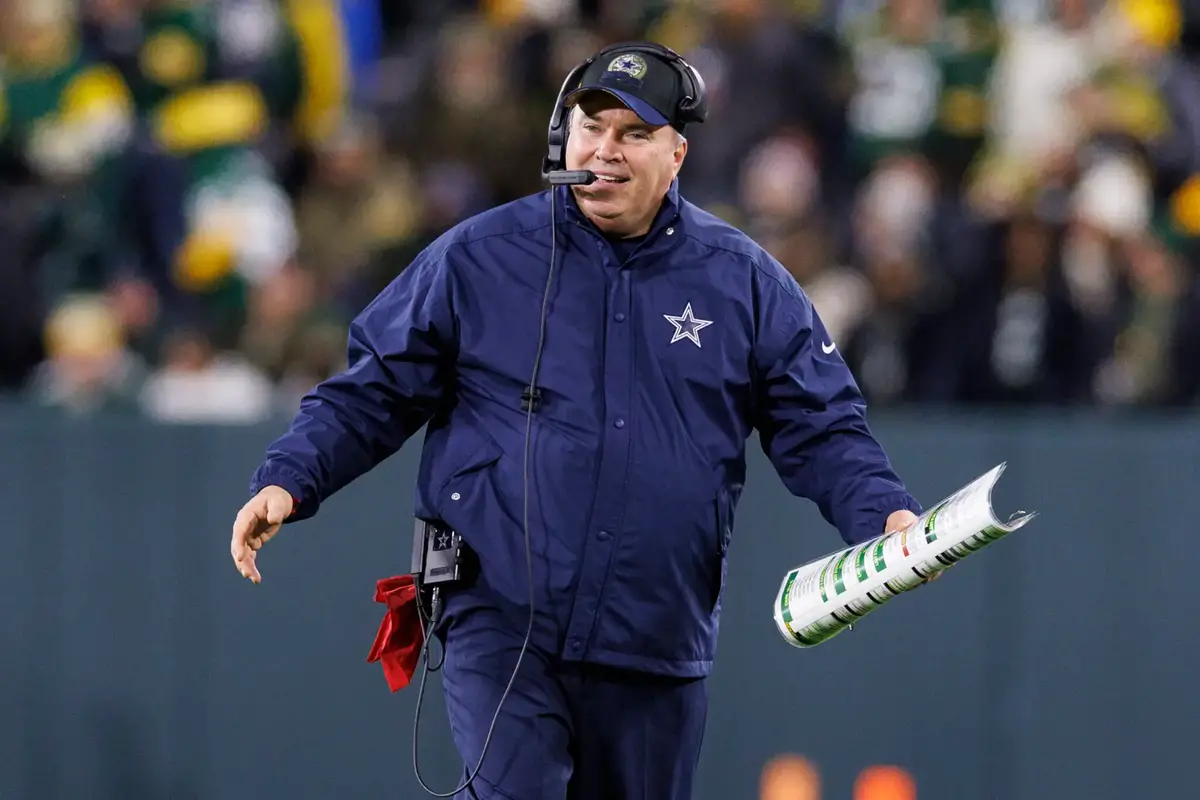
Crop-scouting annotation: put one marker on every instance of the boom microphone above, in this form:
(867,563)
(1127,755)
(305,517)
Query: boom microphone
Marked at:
(571,177)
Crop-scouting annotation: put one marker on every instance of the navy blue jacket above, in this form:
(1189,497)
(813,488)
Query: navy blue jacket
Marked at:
(654,375)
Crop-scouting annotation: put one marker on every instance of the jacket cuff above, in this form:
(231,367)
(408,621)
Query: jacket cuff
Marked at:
(874,522)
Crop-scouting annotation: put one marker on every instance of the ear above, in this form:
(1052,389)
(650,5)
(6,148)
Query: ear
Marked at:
(680,153)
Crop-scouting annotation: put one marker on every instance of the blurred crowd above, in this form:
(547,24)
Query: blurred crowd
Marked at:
(989,201)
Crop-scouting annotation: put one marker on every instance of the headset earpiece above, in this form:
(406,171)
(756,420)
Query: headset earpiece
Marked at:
(694,106)
(556,134)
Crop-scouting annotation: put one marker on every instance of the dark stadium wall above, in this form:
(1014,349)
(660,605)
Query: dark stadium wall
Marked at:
(136,664)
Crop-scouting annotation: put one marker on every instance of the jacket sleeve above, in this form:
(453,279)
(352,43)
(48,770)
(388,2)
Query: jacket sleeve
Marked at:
(400,354)
(811,416)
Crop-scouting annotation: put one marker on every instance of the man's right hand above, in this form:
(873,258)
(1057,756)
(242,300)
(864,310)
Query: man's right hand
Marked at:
(256,523)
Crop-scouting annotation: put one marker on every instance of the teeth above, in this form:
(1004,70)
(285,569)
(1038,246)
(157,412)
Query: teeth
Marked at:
(607,179)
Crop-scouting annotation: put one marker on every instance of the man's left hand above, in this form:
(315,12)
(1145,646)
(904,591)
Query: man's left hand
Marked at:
(898,521)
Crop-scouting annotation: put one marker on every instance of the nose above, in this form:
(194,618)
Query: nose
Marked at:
(608,149)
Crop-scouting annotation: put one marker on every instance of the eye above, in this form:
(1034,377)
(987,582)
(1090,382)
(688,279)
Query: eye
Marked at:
(591,127)
(643,135)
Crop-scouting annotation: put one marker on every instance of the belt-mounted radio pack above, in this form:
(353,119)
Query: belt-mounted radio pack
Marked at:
(440,560)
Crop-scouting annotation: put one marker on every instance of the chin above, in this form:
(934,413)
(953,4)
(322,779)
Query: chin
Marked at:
(609,221)
(603,207)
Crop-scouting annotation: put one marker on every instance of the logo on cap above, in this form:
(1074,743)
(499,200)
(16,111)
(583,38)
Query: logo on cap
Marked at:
(631,64)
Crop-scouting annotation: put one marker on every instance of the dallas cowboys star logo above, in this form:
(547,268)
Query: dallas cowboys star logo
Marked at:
(687,326)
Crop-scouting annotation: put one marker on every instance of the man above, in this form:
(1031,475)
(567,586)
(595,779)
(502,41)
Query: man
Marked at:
(669,338)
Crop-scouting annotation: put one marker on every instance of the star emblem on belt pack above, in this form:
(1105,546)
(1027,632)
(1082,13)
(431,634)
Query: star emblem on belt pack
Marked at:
(687,326)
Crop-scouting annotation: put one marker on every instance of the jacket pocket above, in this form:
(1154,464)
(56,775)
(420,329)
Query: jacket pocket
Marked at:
(485,455)
(466,450)
(458,447)
(723,512)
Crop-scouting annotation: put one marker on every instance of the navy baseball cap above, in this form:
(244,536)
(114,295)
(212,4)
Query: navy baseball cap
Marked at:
(648,86)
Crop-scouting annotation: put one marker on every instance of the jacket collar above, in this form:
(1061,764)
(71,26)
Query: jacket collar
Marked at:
(568,210)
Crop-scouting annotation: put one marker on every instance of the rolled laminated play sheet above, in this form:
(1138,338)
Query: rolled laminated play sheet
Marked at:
(820,599)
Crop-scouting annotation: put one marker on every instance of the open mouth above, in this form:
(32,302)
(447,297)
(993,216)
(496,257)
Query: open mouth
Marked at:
(610,179)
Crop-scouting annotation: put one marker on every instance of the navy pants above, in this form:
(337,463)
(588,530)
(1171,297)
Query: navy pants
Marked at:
(567,731)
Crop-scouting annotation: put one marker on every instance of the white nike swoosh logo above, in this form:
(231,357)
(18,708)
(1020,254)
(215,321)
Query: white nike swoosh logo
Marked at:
(829,348)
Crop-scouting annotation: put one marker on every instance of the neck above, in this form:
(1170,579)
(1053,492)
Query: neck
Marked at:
(621,232)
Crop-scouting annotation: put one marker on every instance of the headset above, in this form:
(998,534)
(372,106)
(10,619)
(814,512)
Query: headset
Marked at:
(692,107)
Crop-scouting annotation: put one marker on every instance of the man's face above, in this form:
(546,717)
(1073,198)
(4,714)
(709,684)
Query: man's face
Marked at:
(635,162)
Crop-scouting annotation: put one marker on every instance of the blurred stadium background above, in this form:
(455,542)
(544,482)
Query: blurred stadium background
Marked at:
(994,204)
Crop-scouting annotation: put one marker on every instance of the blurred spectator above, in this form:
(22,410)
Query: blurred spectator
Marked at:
(358,214)
(197,384)
(88,364)
(292,335)
(1153,358)
(989,201)
(1034,129)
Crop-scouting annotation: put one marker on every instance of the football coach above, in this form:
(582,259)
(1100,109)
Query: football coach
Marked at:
(589,364)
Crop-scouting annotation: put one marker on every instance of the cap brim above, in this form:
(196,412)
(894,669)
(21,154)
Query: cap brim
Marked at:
(646,112)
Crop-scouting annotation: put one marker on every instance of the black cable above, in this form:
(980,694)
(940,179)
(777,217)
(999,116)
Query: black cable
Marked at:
(428,624)
(436,611)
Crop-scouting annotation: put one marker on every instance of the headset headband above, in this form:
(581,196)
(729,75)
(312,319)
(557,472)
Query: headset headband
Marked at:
(691,107)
